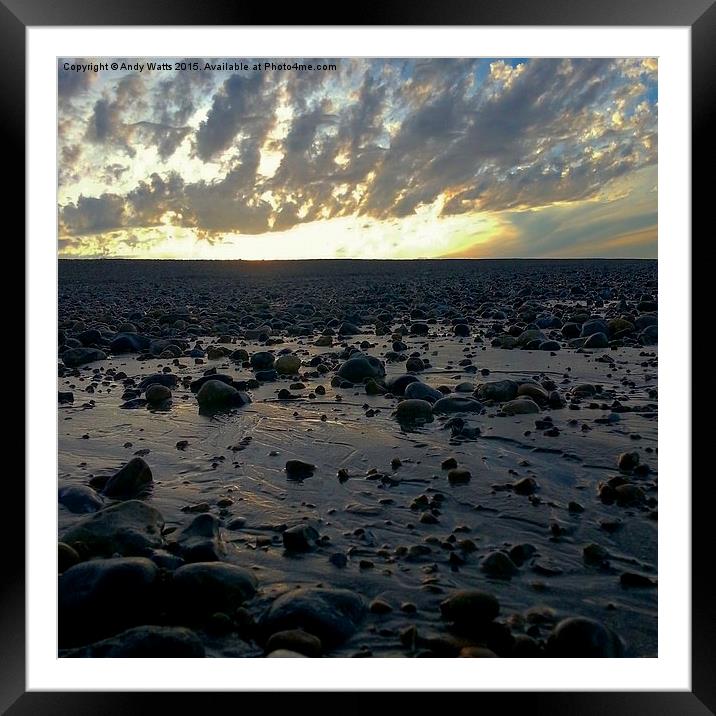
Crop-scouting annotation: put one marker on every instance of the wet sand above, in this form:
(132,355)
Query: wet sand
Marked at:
(517,519)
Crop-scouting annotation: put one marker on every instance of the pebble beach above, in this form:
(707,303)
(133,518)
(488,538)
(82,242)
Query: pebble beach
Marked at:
(450,458)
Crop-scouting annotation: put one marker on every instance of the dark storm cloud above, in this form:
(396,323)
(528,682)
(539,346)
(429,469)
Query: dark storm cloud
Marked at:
(168,106)
(377,139)
(71,83)
(91,215)
(106,123)
(243,104)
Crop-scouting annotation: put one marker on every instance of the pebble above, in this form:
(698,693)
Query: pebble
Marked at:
(215,395)
(333,615)
(421,391)
(288,364)
(94,598)
(459,476)
(80,499)
(131,481)
(195,385)
(298,469)
(470,607)
(499,390)
(455,404)
(262,360)
(597,340)
(399,384)
(157,394)
(358,368)
(168,380)
(66,557)
(628,461)
(583,638)
(200,540)
(629,495)
(76,357)
(476,652)
(414,411)
(209,587)
(594,327)
(498,564)
(144,642)
(296,641)
(127,528)
(633,579)
(300,538)
(534,392)
(521,406)
(525,486)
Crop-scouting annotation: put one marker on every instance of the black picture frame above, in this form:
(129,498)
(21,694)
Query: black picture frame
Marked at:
(699,15)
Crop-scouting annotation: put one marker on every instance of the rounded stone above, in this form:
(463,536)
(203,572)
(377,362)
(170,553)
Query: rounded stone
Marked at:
(295,640)
(470,607)
(157,394)
(420,391)
(355,370)
(498,390)
(101,597)
(583,638)
(414,411)
(498,564)
(459,476)
(522,406)
(132,480)
(457,404)
(155,642)
(217,395)
(288,364)
(79,499)
(399,384)
(627,461)
(332,615)
(263,360)
(597,340)
(127,528)
(208,587)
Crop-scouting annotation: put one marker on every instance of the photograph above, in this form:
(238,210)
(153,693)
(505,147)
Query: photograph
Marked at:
(357,357)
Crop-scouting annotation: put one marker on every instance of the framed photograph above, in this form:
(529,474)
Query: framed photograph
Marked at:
(354,336)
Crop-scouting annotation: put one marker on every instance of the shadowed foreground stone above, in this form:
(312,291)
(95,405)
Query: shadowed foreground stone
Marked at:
(161,642)
(79,498)
(414,411)
(217,395)
(208,587)
(583,638)
(360,367)
(201,541)
(457,404)
(333,615)
(470,607)
(75,357)
(105,596)
(130,528)
(133,479)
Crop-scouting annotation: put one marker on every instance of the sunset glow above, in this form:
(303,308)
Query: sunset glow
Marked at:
(378,159)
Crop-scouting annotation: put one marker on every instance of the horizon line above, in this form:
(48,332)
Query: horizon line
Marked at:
(336,258)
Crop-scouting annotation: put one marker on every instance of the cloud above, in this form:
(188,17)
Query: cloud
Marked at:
(71,83)
(92,215)
(243,104)
(258,152)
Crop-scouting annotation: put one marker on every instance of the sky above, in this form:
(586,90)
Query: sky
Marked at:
(370,158)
